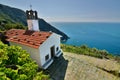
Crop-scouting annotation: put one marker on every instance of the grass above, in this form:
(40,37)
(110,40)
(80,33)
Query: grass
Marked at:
(94,52)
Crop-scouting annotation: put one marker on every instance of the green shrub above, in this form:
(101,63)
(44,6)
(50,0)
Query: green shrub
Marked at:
(41,76)
(16,64)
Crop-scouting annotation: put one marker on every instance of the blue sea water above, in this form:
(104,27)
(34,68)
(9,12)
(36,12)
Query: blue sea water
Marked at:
(100,35)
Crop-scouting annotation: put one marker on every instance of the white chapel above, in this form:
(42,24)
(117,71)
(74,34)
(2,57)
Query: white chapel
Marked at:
(42,46)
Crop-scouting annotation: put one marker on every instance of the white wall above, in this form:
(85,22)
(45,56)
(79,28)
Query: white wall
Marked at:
(33,25)
(44,49)
(53,40)
(30,24)
(34,53)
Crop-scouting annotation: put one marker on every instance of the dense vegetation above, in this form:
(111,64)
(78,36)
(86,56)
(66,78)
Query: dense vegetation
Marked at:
(8,26)
(16,64)
(85,50)
(12,15)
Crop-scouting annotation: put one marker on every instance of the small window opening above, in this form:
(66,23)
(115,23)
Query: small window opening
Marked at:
(46,57)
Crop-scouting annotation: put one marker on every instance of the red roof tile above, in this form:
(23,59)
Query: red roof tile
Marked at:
(26,37)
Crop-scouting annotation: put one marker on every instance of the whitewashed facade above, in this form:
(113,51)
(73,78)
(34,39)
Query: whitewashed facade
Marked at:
(44,56)
(33,25)
(53,42)
(42,46)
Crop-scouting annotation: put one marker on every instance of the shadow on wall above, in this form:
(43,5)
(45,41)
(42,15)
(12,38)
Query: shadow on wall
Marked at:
(58,68)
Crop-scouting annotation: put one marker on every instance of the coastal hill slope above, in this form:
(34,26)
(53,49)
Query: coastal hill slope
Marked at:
(72,66)
(13,15)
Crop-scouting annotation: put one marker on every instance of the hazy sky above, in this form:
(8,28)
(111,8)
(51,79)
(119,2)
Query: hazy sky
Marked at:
(71,10)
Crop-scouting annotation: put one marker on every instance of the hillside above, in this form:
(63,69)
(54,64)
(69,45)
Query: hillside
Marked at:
(14,15)
(10,14)
(81,67)
(84,63)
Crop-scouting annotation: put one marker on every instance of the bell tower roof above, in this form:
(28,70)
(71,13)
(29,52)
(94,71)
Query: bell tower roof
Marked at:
(31,14)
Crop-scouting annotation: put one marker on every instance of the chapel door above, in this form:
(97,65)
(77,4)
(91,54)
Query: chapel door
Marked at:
(52,51)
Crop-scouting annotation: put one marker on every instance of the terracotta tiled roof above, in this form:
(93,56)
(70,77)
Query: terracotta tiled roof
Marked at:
(26,37)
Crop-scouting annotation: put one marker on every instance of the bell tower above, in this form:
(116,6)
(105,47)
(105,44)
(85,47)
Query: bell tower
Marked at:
(32,20)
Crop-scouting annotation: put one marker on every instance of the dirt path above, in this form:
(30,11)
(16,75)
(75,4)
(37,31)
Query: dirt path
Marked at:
(79,67)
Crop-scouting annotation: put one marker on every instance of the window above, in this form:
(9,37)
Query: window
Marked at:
(57,48)
(47,57)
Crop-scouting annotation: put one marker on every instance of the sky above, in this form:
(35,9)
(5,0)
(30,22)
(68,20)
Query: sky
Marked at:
(71,10)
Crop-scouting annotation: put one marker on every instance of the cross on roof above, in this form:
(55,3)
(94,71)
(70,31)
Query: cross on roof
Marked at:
(31,7)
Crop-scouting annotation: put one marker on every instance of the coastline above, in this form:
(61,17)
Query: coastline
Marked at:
(93,52)
(102,35)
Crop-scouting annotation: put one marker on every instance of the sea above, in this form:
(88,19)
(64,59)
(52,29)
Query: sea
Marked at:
(101,35)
